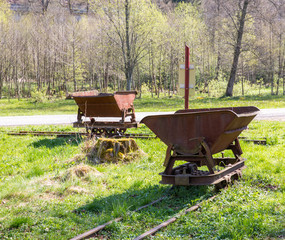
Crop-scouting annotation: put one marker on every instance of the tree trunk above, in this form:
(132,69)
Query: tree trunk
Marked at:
(159,73)
(229,91)
(150,73)
(106,77)
(218,66)
(153,74)
(283,70)
(1,79)
(280,65)
(271,62)
(139,83)
(242,79)
(45,4)
(73,66)
(171,74)
(128,67)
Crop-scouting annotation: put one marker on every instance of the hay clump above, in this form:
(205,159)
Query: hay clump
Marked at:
(80,171)
(107,150)
(78,158)
(76,190)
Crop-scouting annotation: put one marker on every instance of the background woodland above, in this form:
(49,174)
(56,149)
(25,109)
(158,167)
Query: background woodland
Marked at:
(55,47)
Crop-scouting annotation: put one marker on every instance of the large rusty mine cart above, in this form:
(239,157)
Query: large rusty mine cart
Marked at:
(94,105)
(195,136)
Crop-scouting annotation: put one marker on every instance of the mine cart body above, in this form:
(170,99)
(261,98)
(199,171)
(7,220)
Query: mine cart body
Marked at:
(194,136)
(95,105)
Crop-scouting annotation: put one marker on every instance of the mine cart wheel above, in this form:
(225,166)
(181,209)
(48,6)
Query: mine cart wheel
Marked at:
(113,131)
(221,185)
(97,132)
(106,132)
(93,132)
(122,131)
(236,176)
(110,132)
(100,131)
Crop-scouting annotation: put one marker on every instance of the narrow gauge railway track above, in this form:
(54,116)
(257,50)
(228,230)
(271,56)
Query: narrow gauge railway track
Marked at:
(95,230)
(260,141)
(75,134)
(48,133)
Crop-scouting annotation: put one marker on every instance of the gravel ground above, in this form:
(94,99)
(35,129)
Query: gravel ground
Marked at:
(265,114)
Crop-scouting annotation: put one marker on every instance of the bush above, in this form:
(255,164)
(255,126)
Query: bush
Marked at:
(39,96)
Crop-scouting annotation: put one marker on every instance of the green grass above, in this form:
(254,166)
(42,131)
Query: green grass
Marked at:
(147,103)
(16,107)
(39,201)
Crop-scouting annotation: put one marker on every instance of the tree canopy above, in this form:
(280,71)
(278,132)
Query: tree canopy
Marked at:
(62,46)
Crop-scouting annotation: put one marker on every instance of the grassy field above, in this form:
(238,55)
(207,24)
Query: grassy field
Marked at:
(42,197)
(14,107)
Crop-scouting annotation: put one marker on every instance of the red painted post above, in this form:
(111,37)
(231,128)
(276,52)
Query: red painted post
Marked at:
(186,86)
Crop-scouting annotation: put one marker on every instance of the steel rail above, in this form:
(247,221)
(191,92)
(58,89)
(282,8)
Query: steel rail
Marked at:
(91,232)
(48,133)
(171,220)
(259,141)
(68,134)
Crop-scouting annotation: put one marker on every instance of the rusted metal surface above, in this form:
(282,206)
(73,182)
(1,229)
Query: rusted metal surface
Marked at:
(85,93)
(119,104)
(195,135)
(95,105)
(186,85)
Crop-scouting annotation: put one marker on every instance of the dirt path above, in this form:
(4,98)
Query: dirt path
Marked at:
(265,114)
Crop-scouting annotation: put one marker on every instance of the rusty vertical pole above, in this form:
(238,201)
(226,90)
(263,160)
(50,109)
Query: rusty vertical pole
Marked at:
(186,86)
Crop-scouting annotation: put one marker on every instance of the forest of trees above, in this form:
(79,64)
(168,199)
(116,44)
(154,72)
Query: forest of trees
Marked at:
(62,46)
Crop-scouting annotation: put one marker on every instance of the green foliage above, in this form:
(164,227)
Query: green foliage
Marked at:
(39,96)
(90,51)
(14,107)
(145,89)
(61,95)
(5,11)
(19,221)
(217,88)
(59,202)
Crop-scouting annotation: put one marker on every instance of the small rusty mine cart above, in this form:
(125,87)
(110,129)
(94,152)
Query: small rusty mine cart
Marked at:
(195,136)
(95,105)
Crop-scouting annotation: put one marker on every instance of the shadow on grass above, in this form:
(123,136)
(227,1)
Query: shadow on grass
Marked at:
(177,198)
(55,142)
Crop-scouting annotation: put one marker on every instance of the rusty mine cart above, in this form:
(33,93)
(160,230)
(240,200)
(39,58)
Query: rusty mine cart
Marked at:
(101,105)
(195,136)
